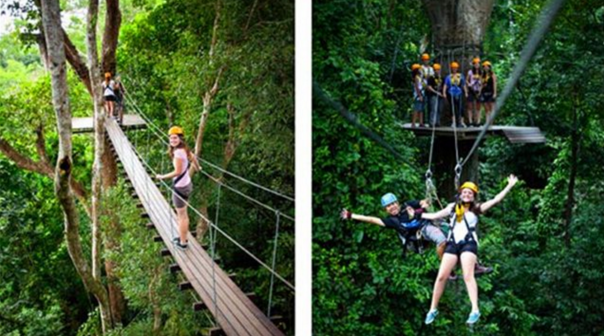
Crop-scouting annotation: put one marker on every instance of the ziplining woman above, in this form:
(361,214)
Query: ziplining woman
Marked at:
(462,243)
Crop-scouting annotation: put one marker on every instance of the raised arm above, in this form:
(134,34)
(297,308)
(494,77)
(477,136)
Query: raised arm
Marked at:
(439,214)
(512,180)
(345,214)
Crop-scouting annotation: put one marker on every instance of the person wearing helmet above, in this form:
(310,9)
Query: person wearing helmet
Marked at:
(427,70)
(418,95)
(434,94)
(182,158)
(109,94)
(489,88)
(453,89)
(462,242)
(474,84)
(404,219)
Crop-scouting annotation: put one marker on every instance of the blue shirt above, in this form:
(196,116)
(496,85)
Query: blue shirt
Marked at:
(454,89)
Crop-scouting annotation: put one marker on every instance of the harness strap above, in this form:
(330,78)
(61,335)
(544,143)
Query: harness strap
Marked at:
(180,177)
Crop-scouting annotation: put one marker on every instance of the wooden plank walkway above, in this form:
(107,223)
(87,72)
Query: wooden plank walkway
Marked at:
(85,125)
(515,134)
(232,309)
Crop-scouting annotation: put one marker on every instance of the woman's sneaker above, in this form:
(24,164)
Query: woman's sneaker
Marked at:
(180,246)
(431,316)
(473,318)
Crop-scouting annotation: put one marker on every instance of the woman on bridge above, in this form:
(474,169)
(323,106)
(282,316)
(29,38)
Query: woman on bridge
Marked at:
(182,158)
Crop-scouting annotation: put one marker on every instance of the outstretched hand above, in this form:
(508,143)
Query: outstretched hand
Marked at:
(512,180)
(345,214)
(425,203)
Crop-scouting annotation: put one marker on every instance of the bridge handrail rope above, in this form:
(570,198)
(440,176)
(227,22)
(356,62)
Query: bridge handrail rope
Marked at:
(274,192)
(546,18)
(277,275)
(161,137)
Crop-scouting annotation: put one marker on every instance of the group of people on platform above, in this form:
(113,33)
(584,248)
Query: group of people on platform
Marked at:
(430,91)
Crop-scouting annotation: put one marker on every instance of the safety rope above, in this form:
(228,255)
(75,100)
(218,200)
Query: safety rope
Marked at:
(213,238)
(147,119)
(270,294)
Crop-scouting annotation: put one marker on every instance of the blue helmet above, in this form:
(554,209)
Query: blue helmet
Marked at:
(389,198)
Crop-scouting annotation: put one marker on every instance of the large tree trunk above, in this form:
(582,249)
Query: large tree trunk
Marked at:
(54,41)
(113,20)
(458,28)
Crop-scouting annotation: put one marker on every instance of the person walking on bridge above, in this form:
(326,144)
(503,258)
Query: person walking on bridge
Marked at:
(184,161)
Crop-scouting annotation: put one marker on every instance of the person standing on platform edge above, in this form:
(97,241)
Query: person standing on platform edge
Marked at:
(109,94)
(434,95)
(454,87)
(427,72)
(419,98)
(475,86)
(489,88)
(119,95)
(182,185)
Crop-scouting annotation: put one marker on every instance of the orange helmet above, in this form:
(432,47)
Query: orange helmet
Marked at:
(107,74)
(454,65)
(486,63)
(436,66)
(425,57)
(415,66)
(176,130)
(476,60)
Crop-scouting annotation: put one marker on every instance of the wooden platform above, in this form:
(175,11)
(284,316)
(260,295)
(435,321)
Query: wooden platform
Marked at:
(515,134)
(232,309)
(85,125)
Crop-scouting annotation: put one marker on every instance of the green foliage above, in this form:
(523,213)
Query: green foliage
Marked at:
(541,284)
(143,273)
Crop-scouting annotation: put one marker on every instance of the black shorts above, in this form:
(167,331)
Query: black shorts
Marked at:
(473,96)
(487,97)
(109,98)
(458,249)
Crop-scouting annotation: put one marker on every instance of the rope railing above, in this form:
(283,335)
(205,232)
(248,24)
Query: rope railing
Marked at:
(213,225)
(161,136)
(274,192)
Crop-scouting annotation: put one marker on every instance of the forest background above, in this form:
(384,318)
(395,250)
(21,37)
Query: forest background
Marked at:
(544,240)
(177,60)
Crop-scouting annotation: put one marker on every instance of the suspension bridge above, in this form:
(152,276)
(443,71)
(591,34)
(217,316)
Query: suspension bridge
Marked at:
(233,311)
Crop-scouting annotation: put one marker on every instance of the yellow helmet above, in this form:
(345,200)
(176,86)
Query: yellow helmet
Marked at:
(425,57)
(486,63)
(176,130)
(454,65)
(469,185)
(415,66)
(436,66)
(476,60)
